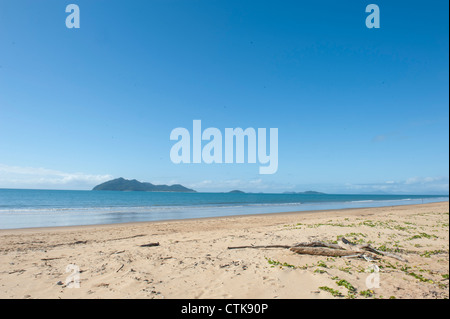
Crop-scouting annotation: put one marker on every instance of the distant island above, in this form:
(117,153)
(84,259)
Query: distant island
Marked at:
(122,184)
(126,185)
(236,191)
(306,193)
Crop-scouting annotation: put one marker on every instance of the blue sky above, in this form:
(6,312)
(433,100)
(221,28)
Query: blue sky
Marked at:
(358,110)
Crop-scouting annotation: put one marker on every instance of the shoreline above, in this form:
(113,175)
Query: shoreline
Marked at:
(307,212)
(192,259)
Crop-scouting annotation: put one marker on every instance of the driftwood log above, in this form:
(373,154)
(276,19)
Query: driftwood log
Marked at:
(149,245)
(310,244)
(259,247)
(344,248)
(367,247)
(323,251)
(318,244)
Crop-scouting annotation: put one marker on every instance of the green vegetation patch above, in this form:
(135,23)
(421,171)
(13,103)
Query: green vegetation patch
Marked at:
(422,235)
(366,293)
(346,284)
(335,293)
(277,263)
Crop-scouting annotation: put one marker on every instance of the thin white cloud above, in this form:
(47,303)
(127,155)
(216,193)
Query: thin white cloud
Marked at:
(412,185)
(388,136)
(38,177)
(379,138)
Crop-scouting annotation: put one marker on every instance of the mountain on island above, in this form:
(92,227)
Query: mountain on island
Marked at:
(122,184)
(306,193)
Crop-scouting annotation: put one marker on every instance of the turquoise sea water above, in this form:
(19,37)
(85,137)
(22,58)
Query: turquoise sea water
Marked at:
(20,208)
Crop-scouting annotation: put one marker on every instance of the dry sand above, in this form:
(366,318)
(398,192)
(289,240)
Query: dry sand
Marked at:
(192,260)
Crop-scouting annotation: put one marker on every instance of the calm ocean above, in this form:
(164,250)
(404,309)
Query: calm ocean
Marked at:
(20,208)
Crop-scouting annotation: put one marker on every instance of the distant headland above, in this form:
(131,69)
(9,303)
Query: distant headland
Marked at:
(122,184)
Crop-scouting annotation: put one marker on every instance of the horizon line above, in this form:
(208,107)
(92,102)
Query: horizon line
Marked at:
(243,192)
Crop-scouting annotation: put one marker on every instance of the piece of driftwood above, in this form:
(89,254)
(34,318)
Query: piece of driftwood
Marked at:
(310,244)
(331,252)
(344,248)
(149,245)
(317,244)
(323,251)
(47,259)
(388,254)
(259,247)
(120,268)
(367,247)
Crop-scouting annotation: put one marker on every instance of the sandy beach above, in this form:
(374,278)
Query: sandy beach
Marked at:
(192,259)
